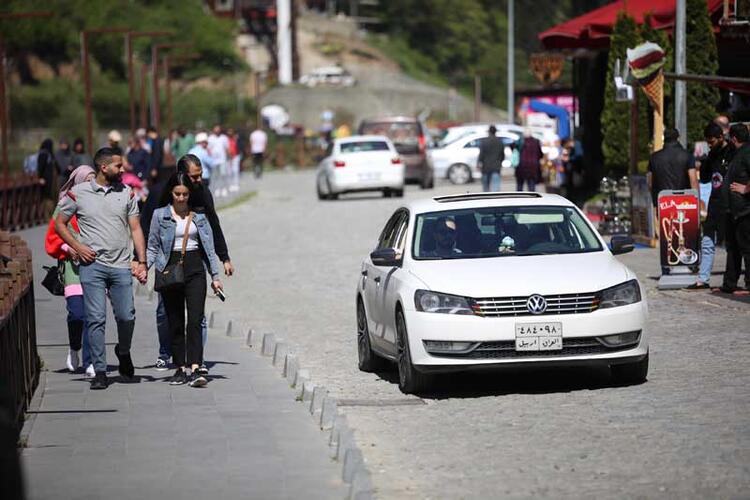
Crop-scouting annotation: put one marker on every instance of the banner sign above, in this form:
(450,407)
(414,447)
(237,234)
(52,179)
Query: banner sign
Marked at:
(642,218)
(679,228)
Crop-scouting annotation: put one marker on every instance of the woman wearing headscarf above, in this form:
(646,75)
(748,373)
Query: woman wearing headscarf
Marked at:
(80,157)
(68,258)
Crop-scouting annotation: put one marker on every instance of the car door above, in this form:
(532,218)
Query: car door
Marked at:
(470,152)
(392,283)
(372,275)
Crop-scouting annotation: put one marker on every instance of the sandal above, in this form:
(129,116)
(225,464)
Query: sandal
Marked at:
(741,292)
(723,289)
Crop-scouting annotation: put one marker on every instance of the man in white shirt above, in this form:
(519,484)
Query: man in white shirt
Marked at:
(258,142)
(200,149)
(218,148)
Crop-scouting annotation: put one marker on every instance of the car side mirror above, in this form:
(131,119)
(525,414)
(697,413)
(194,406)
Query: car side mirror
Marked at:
(621,244)
(386,257)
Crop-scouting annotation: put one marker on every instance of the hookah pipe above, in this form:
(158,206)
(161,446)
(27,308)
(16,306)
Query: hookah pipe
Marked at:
(680,254)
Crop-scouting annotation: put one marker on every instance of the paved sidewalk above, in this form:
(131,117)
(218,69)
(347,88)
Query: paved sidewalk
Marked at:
(242,436)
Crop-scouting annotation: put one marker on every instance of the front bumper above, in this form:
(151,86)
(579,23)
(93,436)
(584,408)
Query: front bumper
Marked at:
(581,327)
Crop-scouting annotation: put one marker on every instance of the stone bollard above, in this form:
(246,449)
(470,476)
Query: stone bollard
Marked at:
(291,365)
(250,337)
(269,344)
(279,353)
(353,460)
(328,413)
(229,328)
(300,379)
(307,391)
(316,402)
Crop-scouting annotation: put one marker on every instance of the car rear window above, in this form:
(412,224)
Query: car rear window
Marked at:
(363,146)
(398,132)
(502,231)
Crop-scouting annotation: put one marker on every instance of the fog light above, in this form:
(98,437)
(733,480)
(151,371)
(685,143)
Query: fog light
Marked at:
(446,346)
(621,339)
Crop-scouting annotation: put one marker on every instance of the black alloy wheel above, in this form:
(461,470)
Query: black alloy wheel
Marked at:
(410,381)
(368,360)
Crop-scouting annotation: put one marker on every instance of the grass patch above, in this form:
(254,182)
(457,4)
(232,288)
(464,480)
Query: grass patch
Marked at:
(243,198)
(412,62)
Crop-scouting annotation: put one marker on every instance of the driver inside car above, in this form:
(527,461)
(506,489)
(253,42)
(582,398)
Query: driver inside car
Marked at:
(445,238)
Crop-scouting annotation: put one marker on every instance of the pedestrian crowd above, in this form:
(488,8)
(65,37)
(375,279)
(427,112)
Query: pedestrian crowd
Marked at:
(125,211)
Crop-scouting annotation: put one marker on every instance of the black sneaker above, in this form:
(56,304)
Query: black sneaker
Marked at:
(203,369)
(126,368)
(179,377)
(197,380)
(99,382)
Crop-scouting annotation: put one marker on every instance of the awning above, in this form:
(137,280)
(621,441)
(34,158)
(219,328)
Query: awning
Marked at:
(592,30)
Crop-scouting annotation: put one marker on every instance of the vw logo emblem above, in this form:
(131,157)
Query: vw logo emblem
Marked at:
(536,304)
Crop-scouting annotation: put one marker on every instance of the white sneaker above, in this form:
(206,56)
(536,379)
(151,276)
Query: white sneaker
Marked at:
(90,372)
(73,361)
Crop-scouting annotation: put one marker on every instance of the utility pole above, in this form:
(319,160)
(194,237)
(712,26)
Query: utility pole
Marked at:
(155,111)
(511,64)
(131,72)
(680,95)
(477,97)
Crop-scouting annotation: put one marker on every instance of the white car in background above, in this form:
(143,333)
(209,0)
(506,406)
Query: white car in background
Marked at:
(360,163)
(457,161)
(490,280)
(547,137)
(328,75)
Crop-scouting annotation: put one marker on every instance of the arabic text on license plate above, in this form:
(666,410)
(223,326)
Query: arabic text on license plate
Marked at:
(538,336)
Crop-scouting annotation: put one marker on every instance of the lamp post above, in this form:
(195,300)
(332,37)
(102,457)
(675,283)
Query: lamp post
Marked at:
(3,90)
(131,76)
(87,78)
(155,112)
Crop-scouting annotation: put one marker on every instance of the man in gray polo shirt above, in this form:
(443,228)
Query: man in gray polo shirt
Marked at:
(107,213)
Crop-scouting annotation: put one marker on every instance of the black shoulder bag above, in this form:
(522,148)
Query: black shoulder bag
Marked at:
(173,275)
(53,280)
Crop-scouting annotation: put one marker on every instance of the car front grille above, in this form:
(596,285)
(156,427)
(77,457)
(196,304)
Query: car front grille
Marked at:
(579,346)
(572,303)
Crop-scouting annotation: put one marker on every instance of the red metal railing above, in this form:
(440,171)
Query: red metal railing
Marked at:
(21,203)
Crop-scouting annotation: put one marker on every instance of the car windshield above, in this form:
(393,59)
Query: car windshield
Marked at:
(406,133)
(502,231)
(363,146)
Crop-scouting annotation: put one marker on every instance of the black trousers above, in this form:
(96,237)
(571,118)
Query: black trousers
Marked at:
(738,248)
(187,340)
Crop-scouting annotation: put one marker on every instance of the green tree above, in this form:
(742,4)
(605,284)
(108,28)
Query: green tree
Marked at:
(701,57)
(616,115)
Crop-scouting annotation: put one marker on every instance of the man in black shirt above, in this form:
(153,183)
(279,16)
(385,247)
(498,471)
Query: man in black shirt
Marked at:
(491,156)
(737,211)
(714,170)
(672,167)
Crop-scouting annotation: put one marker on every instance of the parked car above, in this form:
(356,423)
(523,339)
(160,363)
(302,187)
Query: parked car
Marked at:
(457,161)
(491,280)
(410,137)
(328,75)
(360,163)
(547,137)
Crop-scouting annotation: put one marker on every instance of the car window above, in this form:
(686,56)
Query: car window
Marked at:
(502,231)
(473,143)
(398,132)
(389,236)
(363,146)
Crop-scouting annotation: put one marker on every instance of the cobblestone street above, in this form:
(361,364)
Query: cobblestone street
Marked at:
(684,433)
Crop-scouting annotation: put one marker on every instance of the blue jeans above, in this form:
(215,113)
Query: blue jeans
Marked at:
(491,181)
(79,337)
(165,337)
(96,279)
(708,250)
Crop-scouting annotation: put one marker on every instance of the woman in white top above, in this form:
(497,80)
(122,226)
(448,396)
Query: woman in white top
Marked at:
(179,234)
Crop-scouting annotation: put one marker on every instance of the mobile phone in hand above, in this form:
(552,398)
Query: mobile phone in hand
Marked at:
(220,294)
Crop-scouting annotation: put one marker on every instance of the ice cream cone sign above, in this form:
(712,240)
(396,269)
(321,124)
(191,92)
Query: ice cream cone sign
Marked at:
(646,62)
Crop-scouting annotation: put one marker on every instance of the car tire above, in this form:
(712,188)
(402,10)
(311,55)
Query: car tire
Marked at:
(368,360)
(410,381)
(387,193)
(427,182)
(320,194)
(630,373)
(459,174)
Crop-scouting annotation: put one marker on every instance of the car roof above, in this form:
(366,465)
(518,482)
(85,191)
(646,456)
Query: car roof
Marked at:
(395,119)
(361,138)
(481,200)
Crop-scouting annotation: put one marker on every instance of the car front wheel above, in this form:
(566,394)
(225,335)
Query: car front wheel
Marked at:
(630,373)
(459,174)
(410,381)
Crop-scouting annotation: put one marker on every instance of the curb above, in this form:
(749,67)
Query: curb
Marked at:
(323,408)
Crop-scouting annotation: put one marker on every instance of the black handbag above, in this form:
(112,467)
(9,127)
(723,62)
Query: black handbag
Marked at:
(173,275)
(53,280)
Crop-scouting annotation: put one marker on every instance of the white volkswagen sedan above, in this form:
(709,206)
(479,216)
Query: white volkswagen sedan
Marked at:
(458,160)
(498,279)
(360,163)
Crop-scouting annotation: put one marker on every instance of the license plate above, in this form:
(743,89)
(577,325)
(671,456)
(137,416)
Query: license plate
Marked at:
(538,336)
(369,177)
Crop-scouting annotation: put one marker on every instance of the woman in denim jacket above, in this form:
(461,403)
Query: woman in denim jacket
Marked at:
(165,243)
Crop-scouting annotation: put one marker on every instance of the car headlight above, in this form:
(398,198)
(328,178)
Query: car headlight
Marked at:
(427,301)
(620,295)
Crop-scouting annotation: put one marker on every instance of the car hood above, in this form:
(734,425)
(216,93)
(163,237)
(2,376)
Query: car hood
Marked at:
(514,276)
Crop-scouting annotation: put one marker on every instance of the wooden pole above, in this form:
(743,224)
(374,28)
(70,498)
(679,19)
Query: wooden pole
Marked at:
(477,97)
(131,79)
(87,91)
(144,105)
